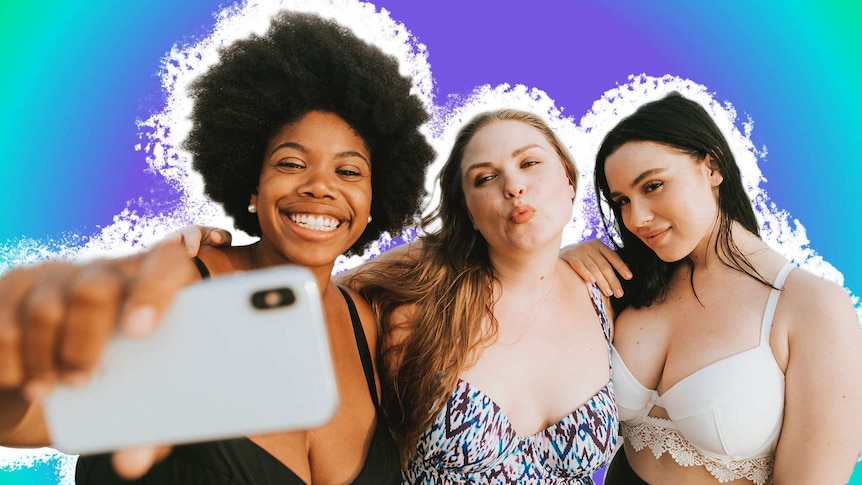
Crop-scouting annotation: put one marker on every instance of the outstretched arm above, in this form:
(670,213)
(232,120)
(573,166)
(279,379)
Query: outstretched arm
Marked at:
(55,319)
(194,236)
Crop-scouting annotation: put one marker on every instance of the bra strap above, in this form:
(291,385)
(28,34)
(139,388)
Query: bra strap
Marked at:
(362,345)
(202,268)
(772,302)
(599,306)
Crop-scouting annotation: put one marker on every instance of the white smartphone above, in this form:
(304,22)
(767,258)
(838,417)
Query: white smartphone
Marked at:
(235,355)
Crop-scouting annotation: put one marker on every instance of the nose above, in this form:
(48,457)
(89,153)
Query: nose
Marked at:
(639,214)
(318,184)
(514,186)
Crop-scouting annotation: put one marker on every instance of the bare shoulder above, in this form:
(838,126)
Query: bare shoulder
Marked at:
(815,305)
(224,259)
(823,387)
(577,286)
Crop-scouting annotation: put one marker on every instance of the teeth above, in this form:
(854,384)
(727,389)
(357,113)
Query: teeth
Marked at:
(315,223)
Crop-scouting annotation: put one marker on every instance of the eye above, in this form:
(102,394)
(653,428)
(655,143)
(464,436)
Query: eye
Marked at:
(290,164)
(620,201)
(349,172)
(529,163)
(483,179)
(652,186)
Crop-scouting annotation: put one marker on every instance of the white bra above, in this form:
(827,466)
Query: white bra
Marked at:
(726,416)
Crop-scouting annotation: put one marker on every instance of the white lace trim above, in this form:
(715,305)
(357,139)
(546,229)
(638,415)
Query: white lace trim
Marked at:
(662,436)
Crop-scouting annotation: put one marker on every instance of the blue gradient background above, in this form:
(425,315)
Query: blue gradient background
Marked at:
(77,75)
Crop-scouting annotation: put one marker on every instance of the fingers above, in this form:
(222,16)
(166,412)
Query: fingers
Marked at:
(192,237)
(92,305)
(14,286)
(56,318)
(596,263)
(163,273)
(217,237)
(604,275)
(581,269)
(65,315)
(44,312)
(133,463)
(615,260)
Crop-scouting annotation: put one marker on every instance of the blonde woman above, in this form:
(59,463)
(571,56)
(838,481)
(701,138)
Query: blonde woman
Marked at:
(495,351)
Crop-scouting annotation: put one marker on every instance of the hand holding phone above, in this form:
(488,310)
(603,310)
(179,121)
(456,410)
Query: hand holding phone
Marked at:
(235,355)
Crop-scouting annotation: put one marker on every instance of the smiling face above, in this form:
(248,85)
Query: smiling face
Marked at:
(668,199)
(314,194)
(516,190)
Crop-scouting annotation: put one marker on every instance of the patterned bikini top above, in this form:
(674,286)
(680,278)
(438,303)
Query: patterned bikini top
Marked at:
(473,442)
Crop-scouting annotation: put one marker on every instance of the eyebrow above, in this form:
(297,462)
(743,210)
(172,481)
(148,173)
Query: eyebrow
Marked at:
(523,149)
(640,178)
(299,147)
(515,153)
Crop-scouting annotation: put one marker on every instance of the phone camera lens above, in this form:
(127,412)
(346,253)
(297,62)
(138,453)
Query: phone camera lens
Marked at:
(273,298)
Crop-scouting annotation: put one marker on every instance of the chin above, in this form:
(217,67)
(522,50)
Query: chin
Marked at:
(671,256)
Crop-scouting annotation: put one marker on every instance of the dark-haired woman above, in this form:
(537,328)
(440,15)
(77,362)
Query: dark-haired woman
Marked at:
(730,364)
(292,131)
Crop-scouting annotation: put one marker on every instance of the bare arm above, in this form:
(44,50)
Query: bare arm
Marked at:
(821,436)
(194,236)
(597,263)
(55,319)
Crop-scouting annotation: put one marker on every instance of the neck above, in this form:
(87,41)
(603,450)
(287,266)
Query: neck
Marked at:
(529,270)
(707,253)
(263,255)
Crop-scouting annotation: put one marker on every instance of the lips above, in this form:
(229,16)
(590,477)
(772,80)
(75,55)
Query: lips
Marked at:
(522,214)
(654,235)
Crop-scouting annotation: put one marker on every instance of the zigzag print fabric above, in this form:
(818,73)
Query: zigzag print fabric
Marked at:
(473,442)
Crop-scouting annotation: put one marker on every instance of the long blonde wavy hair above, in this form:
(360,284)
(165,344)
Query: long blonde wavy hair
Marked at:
(447,293)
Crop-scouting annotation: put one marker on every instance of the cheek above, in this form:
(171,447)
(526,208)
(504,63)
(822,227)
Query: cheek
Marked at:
(270,185)
(702,205)
(361,199)
(477,205)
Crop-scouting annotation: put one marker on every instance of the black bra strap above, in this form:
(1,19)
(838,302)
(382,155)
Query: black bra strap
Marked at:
(362,345)
(202,268)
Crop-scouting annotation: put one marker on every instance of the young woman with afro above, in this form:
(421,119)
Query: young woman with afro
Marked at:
(293,131)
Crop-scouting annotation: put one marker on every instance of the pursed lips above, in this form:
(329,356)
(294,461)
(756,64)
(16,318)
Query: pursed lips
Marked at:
(522,213)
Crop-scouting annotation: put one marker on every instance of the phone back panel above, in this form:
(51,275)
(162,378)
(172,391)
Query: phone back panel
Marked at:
(216,367)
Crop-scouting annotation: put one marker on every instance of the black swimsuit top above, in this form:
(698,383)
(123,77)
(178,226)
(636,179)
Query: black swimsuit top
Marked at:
(242,462)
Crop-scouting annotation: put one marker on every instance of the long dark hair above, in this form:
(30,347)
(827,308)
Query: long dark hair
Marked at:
(682,124)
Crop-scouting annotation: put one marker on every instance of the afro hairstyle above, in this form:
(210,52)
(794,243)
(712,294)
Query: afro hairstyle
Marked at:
(305,63)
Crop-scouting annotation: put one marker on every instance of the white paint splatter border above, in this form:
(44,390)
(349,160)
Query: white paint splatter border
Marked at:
(162,133)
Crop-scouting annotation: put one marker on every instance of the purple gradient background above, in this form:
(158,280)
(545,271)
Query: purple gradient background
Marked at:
(78,75)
